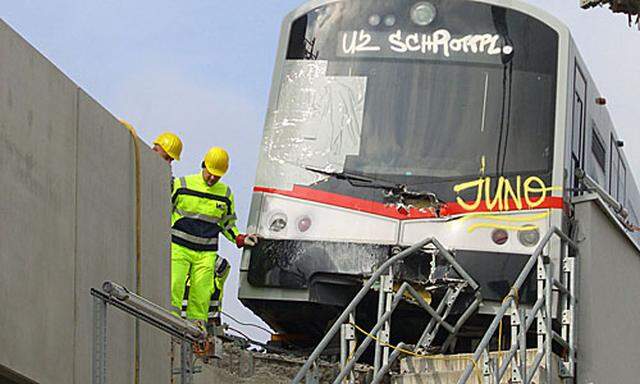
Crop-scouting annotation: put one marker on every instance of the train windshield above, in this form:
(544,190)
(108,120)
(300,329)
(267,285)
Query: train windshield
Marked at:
(413,92)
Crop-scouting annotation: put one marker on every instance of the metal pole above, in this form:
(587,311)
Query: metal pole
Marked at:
(534,367)
(173,360)
(426,338)
(381,309)
(572,317)
(365,343)
(152,310)
(523,344)
(356,300)
(385,334)
(548,320)
(486,368)
(429,309)
(593,185)
(343,345)
(540,316)
(461,321)
(352,344)
(99,367)
(515,369)
(186,363)
(529,322)
(377,378)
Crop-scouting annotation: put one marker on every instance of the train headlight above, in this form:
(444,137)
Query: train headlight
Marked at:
(529,237)
(423,13)
(277,222)
(304,223)
(499,236)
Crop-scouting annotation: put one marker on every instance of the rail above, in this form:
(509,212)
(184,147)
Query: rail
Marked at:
(140,308)
(344,323)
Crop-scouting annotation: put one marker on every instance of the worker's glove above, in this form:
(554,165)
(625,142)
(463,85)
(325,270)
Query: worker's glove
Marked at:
(246,240)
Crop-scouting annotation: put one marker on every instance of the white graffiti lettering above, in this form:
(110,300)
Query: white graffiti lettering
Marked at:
(357,41)
(440,41)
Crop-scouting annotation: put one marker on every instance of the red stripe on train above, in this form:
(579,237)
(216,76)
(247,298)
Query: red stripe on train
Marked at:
(382,209)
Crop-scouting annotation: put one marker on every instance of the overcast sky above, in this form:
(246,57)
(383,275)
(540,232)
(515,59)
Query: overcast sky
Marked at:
(203,69)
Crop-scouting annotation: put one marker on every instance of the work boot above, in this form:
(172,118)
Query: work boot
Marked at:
(200,324)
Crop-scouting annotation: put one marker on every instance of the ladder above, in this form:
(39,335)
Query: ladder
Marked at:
(541,313)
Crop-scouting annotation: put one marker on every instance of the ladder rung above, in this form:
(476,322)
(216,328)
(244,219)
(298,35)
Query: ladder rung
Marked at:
(560,340)
(561,288)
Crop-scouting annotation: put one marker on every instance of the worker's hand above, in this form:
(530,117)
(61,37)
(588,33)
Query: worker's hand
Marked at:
(246,240)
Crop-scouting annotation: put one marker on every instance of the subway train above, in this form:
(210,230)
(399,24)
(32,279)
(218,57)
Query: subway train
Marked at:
(390,121)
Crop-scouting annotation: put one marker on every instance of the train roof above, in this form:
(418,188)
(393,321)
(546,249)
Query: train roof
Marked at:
(518,5)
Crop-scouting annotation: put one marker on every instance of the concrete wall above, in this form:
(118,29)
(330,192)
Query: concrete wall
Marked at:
(67,224)
(608,306)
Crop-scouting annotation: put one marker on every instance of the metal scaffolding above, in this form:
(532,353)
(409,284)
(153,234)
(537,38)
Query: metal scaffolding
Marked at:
(389,300)
(521,319)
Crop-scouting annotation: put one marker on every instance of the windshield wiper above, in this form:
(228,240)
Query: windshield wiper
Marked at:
(352,177)
(394,193)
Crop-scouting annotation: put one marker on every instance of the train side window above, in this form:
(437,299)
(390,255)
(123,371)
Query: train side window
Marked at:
(618,173)
(578,128)
(622,180)
(613,168)
(598,156)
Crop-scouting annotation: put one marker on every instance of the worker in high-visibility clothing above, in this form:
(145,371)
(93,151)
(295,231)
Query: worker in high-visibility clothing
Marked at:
(169,146)
(203,207)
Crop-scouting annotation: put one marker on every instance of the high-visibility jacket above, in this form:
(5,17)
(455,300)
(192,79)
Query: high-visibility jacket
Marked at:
(201,212)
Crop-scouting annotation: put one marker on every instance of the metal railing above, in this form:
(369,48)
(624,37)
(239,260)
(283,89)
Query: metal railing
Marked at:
(137,306)
(542,313)
(387,304)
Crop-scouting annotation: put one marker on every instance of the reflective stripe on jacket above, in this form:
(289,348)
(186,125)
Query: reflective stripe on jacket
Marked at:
(201,212)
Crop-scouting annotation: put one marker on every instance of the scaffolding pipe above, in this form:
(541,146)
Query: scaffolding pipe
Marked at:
(591,184)
(356,300)
(152,310)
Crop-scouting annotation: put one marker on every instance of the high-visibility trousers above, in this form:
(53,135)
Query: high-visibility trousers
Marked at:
(215,304)
(199,267)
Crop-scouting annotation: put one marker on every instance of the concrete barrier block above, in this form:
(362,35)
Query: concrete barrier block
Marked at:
(37,210)
(68,224)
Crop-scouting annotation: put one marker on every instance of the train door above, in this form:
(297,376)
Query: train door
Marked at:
(578,126)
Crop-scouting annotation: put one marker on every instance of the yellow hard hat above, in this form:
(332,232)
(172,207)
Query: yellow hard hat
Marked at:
(170,143)
(217,161)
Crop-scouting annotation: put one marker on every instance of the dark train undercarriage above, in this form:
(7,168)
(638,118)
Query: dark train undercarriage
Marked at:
(303,324)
